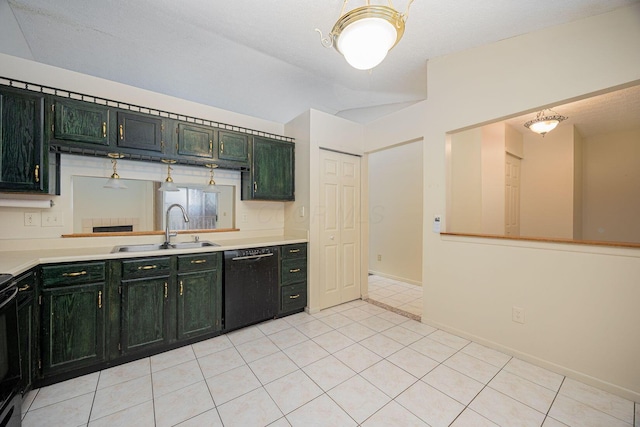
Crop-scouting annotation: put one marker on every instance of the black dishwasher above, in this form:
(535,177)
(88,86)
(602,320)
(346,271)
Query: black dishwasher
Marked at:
(250,286)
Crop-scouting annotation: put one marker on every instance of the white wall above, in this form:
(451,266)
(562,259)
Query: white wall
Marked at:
(465,215)
(578,183)
(611,205)
(493,178)
(580,301)
(395,212)
(547,184)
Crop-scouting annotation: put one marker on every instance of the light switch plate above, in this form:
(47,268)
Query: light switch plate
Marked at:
(52,219)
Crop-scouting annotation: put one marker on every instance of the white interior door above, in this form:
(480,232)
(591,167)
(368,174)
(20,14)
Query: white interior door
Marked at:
(339,228)
(512,195)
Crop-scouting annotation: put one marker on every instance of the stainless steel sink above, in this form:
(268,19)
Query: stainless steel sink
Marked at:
(162,246)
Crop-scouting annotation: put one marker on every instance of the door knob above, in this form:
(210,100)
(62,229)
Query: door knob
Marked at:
(331,237)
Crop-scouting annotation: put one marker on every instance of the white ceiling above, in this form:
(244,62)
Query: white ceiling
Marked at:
(263,58)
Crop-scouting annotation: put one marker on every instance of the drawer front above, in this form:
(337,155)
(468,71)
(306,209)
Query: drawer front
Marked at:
(294,251)
(293,270)
(293,297)
(198,262)
(147,267)
(73,274)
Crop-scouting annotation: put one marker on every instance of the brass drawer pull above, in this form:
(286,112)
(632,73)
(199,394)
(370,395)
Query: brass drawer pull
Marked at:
(198,261)
(99,299)
(294,296)
(294,270)
(294,251)
(147,267)
(24,288)
(75,274)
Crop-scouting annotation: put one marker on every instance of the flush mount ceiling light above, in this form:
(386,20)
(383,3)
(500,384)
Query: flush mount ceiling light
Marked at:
(168,184)
(114,181)
(211,186)
(544,123)
(366,34)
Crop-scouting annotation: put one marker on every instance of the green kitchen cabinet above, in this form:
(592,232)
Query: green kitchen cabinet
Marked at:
(79,121)
(144,304)
(271,176)
(195,140)
(23,151)
(73,317)
(199,295)
(27,329)
(233,147)
(139,133)
(293,278)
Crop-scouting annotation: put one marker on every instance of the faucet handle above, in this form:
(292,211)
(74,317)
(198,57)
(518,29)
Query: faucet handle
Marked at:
(196,238)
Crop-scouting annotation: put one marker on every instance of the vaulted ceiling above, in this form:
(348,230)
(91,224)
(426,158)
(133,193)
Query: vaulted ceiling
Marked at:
(264,58)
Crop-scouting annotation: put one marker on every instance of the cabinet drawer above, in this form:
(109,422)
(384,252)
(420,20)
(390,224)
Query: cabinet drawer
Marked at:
(293,270)
(294,251)
(149,267)
(293,297)
(72,274)
(198,262)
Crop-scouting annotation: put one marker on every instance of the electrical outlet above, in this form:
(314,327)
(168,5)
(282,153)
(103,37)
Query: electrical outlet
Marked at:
(245,218)
(379,257)
(31,219)
(52,219)
(517,314)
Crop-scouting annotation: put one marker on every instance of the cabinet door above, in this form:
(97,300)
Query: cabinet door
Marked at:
(195,140)
(144,313)
(271,171)
(73,327)
(233,147)
(199,303)
(139,131)
(23,165)
(27,330)
(80,121)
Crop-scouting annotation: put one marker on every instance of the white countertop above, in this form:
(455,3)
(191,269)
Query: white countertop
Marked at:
(17,262)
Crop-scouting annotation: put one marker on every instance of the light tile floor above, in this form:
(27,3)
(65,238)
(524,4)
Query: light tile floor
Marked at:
(355,364)
(396,294)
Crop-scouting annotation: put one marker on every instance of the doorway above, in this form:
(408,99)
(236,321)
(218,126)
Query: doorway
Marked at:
(340,233)
(512,195)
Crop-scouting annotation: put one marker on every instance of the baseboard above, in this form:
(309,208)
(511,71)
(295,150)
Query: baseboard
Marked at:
(553,367)
(392,277)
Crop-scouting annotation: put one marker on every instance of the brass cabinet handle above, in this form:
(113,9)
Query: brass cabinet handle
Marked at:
(104,129)
(221,147)
(255,186)
(99,299)
(24,288)
(37,172)
(294,251)
(147,267)
(75,274)
(121,132)
(166,290)
(210,146)
(294,270)
(294,296)
(198,261)
(181,288)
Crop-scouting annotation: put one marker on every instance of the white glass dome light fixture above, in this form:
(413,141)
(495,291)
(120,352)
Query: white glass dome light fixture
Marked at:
(543,124)
(366,34)
(168,184)
(211,187)
(114,181)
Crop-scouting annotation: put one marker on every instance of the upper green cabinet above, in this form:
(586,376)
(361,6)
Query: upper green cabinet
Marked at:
(139,132)
(80,121)
(233,146)
(23,152)
(194,140)
(272,174)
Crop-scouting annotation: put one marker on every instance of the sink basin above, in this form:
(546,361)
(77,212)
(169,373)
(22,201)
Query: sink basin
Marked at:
(162,246)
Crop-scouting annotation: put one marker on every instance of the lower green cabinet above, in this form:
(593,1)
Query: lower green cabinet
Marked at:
(144,314)
(293,278)
(27,329)
(72,327)
(198,300)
